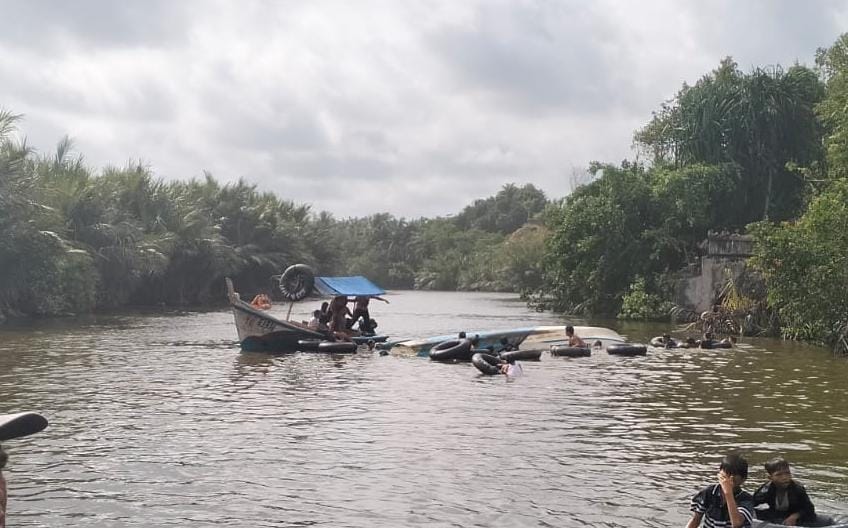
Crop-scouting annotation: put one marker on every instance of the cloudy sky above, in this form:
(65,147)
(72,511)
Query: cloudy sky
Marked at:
(356,107)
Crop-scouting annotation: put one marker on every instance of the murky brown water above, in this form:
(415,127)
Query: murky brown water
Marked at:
(159,420)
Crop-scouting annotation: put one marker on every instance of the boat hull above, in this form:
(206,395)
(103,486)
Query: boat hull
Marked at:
(531,337)
(259,331)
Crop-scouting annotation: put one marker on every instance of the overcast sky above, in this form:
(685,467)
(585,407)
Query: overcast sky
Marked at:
(357,107)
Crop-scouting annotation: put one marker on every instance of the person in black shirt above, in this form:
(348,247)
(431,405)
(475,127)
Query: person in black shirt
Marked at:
(726,504)
(787,499)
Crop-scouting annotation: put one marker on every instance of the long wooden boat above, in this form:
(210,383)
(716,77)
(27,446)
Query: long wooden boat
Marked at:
(259,331)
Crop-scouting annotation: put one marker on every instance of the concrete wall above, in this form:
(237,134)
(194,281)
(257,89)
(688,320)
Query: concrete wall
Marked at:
(726,253)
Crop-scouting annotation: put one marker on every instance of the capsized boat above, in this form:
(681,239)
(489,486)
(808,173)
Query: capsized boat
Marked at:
(531,337)
(259,331)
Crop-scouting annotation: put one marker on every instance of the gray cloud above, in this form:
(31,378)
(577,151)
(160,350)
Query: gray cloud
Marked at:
(416,108)
(49,25)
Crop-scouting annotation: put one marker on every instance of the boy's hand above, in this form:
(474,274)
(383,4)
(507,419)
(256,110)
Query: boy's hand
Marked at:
(726,483)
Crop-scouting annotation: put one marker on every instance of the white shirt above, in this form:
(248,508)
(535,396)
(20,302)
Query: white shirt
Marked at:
(514,370)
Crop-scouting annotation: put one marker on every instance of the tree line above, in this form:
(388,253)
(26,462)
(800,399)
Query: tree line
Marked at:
(72,240)
(763,152)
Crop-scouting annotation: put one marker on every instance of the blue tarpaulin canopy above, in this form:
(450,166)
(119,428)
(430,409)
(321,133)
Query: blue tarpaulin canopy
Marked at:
(349,286)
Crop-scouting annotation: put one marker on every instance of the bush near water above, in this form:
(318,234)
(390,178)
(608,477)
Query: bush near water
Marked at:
(764,151)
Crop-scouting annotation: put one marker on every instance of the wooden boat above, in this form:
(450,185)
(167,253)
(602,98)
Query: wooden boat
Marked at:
(259,331)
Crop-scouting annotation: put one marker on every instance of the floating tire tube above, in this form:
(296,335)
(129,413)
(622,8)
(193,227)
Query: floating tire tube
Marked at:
(337,347)
(361,340)
(20,424)
(711,344)
(309,345)
(659,342)
(486,363)
(627,349)
(297,282)
(453,350)
(570,351)
(524,355)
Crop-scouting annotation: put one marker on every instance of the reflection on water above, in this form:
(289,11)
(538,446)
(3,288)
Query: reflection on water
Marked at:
(159,420)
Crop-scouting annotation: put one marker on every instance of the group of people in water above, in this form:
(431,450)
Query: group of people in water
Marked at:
(780,500)
(335,317)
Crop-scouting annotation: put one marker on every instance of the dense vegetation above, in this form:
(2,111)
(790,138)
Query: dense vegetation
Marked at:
(75,241)
(764,152)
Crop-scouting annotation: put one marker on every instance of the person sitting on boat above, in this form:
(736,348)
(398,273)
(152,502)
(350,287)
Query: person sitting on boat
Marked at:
(315,323)
(325,316)
(787,500)
(574,340)
(261,301)
(338,320)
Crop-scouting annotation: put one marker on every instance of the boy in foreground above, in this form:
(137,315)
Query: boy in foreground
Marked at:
(725,504)
(787,499)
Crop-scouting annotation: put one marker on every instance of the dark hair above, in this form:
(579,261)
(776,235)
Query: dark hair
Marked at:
(316,313)
(3,457)
(475,340)
(776,464)
(690,340)
(462,335)
(569,328)
(735,464)
(324,306)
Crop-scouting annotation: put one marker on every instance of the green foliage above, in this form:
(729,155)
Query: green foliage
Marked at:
(638,304)
(597,247)
(760,121)
(805,266)
(832,64)
(72,240)
(505,212)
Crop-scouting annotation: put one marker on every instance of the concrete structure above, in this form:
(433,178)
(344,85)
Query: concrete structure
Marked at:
(725,255)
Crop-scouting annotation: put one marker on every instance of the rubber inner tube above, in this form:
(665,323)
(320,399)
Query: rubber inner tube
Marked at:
(452,350)
(297,282)
(570,351)
(337,347)
(308,345)
(627,349)
(524,355)
(486,363)
(659,342)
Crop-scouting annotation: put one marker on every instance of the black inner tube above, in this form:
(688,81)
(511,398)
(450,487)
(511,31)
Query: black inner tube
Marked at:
(570,351)
(297,282)
(486,363)
(452,350)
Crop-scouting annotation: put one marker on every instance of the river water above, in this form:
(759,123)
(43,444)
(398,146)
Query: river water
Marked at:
(160,420)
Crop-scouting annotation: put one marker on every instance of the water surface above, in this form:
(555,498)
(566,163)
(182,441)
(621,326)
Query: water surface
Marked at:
(160,420)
